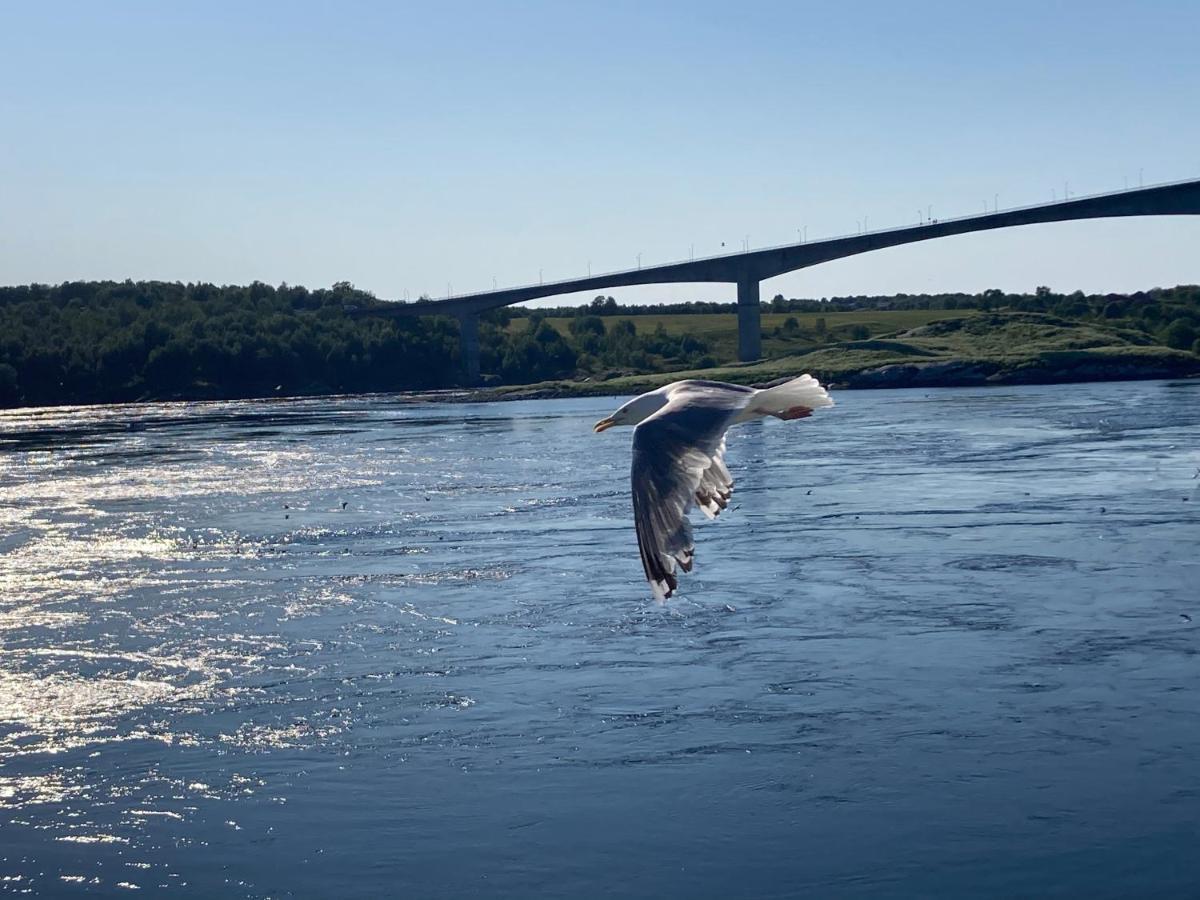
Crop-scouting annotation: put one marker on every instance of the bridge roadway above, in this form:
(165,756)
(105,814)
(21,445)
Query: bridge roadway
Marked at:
(747,269)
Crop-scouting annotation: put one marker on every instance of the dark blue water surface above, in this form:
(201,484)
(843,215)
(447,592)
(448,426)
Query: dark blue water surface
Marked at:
(944,644)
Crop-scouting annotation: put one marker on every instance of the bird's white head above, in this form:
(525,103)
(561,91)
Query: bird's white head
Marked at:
(636,410)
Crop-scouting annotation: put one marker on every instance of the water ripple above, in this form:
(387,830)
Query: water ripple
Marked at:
(249,648)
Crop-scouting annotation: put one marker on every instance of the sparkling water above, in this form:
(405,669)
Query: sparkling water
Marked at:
(943,643)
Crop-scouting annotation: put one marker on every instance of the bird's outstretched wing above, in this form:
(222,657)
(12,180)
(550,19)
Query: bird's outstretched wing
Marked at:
(677,462)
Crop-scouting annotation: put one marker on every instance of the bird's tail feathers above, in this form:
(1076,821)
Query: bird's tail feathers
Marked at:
(804,391)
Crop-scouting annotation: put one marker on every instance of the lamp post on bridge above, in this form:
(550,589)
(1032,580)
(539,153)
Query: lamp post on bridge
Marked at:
(747,273)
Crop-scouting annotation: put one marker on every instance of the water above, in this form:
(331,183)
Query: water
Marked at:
(945,643)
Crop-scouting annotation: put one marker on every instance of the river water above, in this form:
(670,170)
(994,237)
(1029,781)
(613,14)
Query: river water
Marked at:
(944,643)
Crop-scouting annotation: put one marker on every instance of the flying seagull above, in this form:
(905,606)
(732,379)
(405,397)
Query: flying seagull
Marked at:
(678,458)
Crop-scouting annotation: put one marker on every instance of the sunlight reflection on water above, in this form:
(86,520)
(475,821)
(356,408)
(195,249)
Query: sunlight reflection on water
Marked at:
(251,647)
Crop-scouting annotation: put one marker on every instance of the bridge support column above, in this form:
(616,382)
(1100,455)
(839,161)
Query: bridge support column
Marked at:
(468,343)
(749,320)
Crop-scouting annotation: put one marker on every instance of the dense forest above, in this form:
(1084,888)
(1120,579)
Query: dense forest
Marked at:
(89,342)
(93,342)
(103,342)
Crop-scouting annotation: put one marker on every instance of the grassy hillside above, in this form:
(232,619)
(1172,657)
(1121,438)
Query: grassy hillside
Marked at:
(719,330)
(979,348)
(105,342)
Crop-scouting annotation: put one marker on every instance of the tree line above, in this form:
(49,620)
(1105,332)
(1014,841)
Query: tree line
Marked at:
(113,342)
(1169,315)
(107,341)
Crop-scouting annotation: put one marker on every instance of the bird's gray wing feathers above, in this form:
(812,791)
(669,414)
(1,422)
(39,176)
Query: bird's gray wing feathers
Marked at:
(677,462)
(716,485)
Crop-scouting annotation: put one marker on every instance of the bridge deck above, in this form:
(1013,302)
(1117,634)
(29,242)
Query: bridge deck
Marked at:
(1176,198)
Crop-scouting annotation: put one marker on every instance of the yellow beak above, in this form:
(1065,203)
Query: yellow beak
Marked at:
(602,425)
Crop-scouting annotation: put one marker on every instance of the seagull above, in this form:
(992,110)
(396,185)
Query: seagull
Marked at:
(678,458)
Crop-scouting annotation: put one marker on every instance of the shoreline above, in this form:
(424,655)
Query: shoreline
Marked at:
(569,390)
(1000,349)
(976,351)
(563,390)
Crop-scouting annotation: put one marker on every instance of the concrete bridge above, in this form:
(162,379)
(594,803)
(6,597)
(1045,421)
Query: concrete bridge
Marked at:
(747,269)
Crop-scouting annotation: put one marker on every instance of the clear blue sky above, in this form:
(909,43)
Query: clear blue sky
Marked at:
(404,146)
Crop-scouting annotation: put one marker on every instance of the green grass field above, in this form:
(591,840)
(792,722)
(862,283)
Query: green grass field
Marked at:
(720,330)
(962,348)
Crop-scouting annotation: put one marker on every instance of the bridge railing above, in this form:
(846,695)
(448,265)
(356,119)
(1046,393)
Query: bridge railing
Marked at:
(825,240)
(969,216)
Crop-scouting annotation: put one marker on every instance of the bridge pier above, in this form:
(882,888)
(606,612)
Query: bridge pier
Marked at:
(749,320)
(468,344)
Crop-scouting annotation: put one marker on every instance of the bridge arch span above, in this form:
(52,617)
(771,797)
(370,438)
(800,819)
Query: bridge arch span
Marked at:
(747,270)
